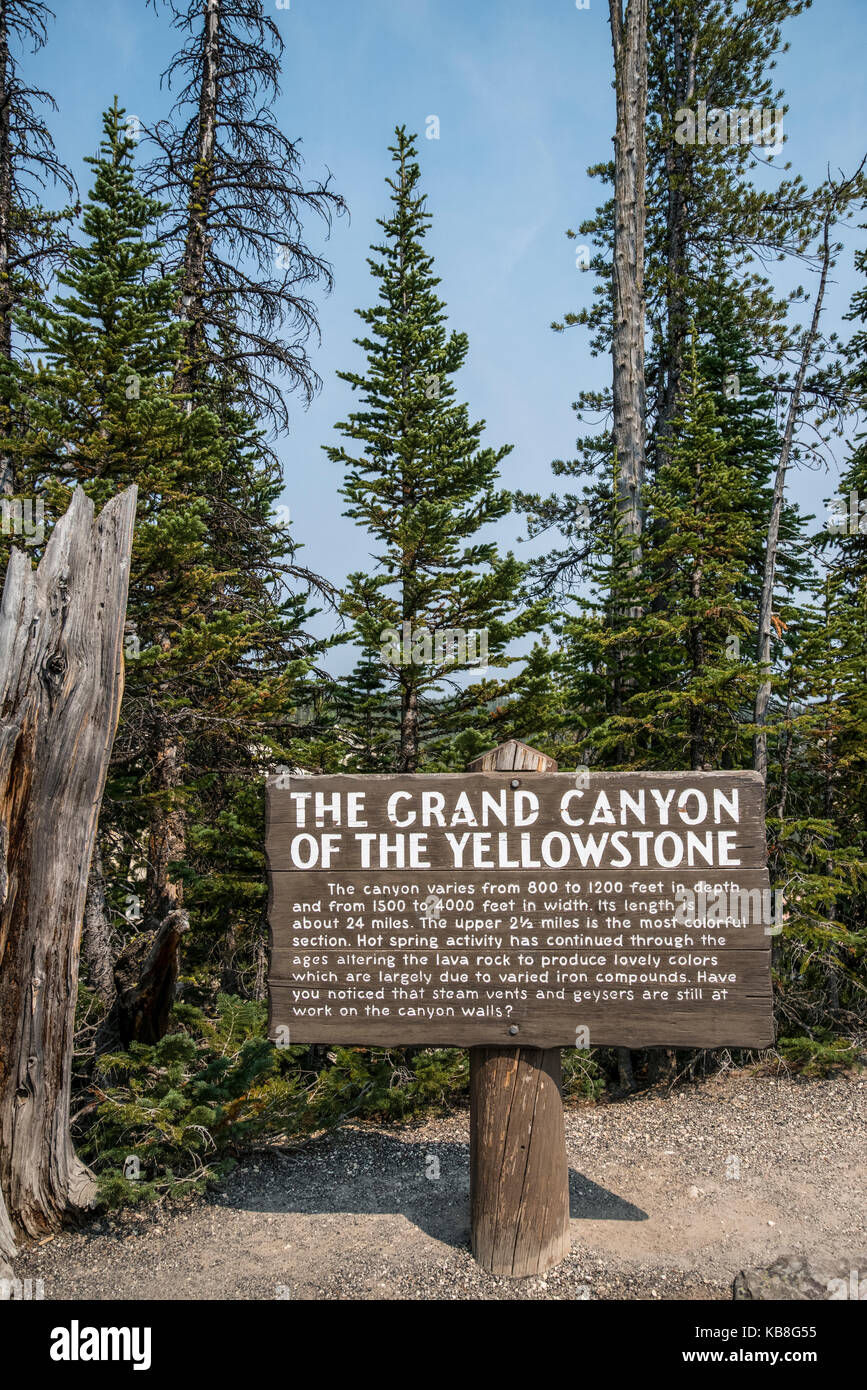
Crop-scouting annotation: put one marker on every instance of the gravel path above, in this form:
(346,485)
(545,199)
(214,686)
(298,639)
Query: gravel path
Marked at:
(671,1196)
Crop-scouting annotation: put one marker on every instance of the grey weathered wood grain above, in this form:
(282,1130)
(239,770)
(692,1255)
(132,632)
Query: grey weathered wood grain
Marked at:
(61,678)
(519,1179)
(513,756)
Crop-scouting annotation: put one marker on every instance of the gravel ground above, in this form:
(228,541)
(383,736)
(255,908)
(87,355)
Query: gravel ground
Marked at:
(671,1196)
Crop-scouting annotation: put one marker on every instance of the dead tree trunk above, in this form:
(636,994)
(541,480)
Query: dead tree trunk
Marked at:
(680,92)
(61,679)
(629,40)
(188,368)
(629,43)
(146,977)
(7,480)
(766,606)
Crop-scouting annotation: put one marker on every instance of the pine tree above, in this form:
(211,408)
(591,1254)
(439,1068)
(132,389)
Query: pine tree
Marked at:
(745,411)
(705,208)
(819,838)
(367,718)
(233,230)
(232,236)
(688,684)
(215,655)
(261,709)
(816,841)
(845,534)
(33,241)
(424,487)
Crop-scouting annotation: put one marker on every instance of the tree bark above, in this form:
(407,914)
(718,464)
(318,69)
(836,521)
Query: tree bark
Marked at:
(7,476)
(409,740)
(61,679)
(96,934)
(260,987)
(146,977)
(786,757)
(196,245)
(677,163)
(697,654)
(625,1071)
(167,837)
(629,39)
(629,42)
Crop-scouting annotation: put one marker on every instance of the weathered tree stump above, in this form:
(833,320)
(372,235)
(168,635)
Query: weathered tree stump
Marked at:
(61,679)
(146,977)
(519,1177)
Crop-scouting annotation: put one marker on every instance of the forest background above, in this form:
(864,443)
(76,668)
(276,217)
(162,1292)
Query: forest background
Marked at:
(684,588)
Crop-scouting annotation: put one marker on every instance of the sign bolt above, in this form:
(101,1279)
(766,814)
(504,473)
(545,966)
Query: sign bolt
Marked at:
(514,1028)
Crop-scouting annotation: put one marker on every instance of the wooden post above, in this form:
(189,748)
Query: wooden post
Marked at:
(519,1178)
(61,678)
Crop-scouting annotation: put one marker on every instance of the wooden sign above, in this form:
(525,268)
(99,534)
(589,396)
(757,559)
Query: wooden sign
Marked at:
(500,908)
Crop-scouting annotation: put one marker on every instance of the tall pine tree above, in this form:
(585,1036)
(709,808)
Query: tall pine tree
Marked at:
(420,482)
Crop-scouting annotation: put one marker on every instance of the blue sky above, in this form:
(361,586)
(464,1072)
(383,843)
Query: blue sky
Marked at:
(522,89)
